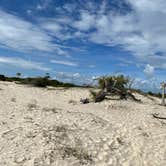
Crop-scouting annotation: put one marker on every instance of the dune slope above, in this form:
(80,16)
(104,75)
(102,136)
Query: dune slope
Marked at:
(49,127)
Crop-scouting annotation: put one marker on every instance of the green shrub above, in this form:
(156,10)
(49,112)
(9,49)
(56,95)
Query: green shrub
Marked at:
(40,82)
(37,81)
(2,78)
(121,82)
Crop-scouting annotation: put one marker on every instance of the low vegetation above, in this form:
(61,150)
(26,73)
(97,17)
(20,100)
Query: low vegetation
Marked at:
(79,153)
(113,85)
(36,81)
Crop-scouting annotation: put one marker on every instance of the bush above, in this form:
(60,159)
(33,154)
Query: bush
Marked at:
(37,81)
(121,82)
(40,82)
(2,78)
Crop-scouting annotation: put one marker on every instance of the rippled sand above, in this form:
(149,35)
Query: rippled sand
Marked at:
(49,127)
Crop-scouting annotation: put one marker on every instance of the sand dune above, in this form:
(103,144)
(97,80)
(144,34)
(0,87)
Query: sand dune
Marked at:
(49,127)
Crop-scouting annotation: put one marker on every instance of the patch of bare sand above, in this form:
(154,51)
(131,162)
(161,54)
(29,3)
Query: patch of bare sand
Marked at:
(49,127)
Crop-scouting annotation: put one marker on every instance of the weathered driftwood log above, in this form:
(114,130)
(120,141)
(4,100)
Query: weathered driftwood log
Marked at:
(100,96)
(133,97)
(123,95)
(158,117)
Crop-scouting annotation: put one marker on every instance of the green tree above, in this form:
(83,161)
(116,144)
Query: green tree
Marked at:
(18,74)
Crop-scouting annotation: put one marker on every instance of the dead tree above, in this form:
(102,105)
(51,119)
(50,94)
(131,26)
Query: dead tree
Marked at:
(102,94)
(111,89)
(155,115)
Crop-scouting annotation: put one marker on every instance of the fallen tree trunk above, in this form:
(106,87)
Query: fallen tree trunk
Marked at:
(100,97)
(158,117)
(133,97)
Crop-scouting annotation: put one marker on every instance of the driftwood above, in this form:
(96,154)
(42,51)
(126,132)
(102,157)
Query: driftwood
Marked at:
(100,96)
(84,101)
(133,97)
(108,90)
(158,117)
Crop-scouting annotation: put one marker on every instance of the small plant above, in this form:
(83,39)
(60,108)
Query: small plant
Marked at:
(2,78)
(18,74)
(79,153)
(13,99)
(32,106)
(40,82)
(62,128)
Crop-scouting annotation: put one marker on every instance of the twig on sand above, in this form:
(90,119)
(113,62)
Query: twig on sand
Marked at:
(155,115)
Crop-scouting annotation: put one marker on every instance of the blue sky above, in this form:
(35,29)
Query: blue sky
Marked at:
(77,40)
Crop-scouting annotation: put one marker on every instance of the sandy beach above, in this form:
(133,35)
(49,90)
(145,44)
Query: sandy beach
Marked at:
(50,127)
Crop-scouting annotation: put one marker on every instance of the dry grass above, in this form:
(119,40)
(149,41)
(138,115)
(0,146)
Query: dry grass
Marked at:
(79,153)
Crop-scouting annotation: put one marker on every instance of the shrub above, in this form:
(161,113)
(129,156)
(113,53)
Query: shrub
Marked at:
(37,81)
(79,153)
(121,82)
(40,82)
(2,78)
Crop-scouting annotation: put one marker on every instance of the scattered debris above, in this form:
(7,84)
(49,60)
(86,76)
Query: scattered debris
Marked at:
(84,101)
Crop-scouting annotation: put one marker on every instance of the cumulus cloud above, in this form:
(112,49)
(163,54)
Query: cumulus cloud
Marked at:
(86,21)
(147,84)
(76,78)
(43,5)
(20,35)
(140,31)
(149,70)
(22,63)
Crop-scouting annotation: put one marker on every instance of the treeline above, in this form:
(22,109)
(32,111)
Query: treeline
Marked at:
(37,81)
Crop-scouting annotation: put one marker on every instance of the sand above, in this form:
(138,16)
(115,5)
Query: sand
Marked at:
(50,127)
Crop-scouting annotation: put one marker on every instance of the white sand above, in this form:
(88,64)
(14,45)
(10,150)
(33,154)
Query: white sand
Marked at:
(40,127)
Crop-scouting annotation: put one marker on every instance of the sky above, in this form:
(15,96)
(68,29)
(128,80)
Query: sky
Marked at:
(79,40)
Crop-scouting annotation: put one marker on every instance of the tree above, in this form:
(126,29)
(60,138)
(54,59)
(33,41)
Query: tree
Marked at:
(47,75)
(18,74)
(114,85)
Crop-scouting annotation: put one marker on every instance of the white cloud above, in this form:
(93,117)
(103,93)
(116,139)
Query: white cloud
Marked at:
(141,31)
(56,28)
(86,21)
(67,63)
(21,35)
(21,63)
(148,85)
(149,70)
(44,4)
(76,78)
